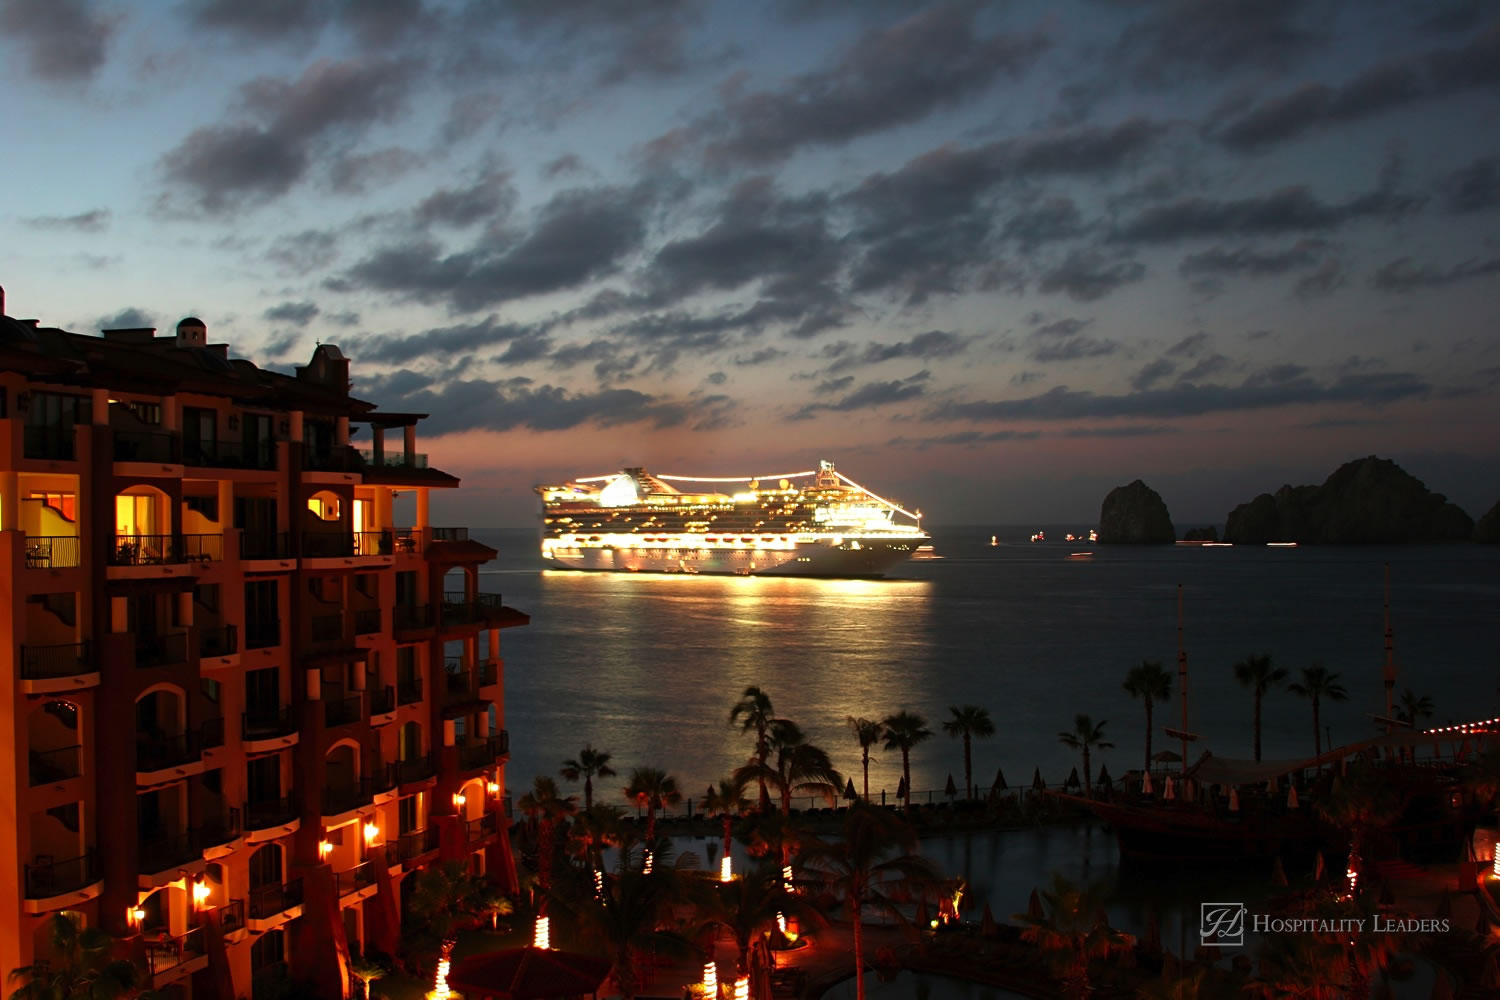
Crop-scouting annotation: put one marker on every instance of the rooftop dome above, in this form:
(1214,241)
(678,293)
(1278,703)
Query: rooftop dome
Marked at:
(191,321)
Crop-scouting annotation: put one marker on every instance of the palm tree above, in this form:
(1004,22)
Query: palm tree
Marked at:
(82,967)
(727,802)
(868,732)
(366,969)
(1086,737)
(1072,932)
(624,921)
(1316,684)
(1414,708)
(748,907)
(1365,801)
(753,713)
(903,731)
(871,864)
(1257,673)
(654,789)
(591,764)
(967,723)
(1150,683)
(447,900)
(799,766)
(545,808)
(591,831)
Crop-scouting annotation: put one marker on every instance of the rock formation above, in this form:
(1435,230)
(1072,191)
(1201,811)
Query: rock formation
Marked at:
(1370,500)
(1488,528)
(1208,534)
(1135,515)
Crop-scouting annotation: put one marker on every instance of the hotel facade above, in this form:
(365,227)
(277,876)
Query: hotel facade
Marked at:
(245,705)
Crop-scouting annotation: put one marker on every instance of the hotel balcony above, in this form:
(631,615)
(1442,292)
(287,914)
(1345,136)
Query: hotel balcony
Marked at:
(268,727)
(382,703)
(147,550)
(57,667)
(229,454)
(49,879)
(411,618)
(264,814)
(392,460)
(158,753)
(482,827)
(458,679)
(166,650)
(356,879)
(409,772)
(153,447)
(369,621)
(217,831)
(460,609)
(489,673)
(335,459)
(270,905)
(203,548)
(265,545)
(484,753)
(47,767)
(262,634)
(326,629)
(219,641)
(412,847)
(327,544)
(53,552)
(343,711)
(54,443)
(340,799)
(161,853)
(409,690)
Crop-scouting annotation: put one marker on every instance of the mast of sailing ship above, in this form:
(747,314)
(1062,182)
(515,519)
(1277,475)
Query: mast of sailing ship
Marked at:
(1182,686)
(1388,673)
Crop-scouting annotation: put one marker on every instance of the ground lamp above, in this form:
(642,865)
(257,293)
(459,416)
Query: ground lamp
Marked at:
(542,937)
(726,869)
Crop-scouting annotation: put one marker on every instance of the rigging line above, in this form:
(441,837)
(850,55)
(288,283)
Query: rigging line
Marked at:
(732,479)
(893,506)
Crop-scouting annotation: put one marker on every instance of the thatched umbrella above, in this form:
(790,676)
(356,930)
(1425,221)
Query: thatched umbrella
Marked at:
(849,792)
(1034,906)
(1037,784)
(1103,780)
(1073,780)
(1167,757)
(1291,797)
(950,789)
(999,785)
(1146,787)
(1169,792)
(1234,800)
(987,926)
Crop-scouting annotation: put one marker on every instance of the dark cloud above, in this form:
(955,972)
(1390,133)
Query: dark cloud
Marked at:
(1189,347)
(527,347)
(892,75)
(470,114)
(1327,278)
(282,344)
(1026,377)
(223,165)
(1087,275)
(870,395)
(442,341)
(1066,327)
(1255,262)
(1286,385)
(126,319)
(577,236)
(356,173)
(568,163)
(716,378)
(1046,221)
(346,318)
(1208,367)
(1178,42)
(1152,373)
(1402,276)
(1473,188)
(264,20)
(963,438)
(929,346)
(830,386)
(1286,210)
(93,221)
(304,252)
(1073,349)
(490,197)
(295,313)
(1137,430)
(65,41)
(761,357)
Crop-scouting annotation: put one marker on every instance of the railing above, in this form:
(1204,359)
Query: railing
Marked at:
(407,540)
(489,673)
(327,544)
(52,551)
(145,550)
(342,711)
(409,691)
(45,877)
(220,829)
(473,756)
(164,956)
(211,733)
(153,753)
(415,769)
(417,843)
(161,650)
(342,798)
(265,724)
(481,826)
(393,459)
(67,659)
(260,634)
(269,900)
(382,700)
(326,628)
(373,543)
(231,915)
(49,442)
(368,621)
(229,454)
(339,458)
(449,534)
(356,878)
(460,609)
(160,851)
(269,812)
(392,852)
(382,778)
(460,683)
(506,806)
(223,640)
(47,766)
(138,446)
(412,616)
(203,548)
(265,545)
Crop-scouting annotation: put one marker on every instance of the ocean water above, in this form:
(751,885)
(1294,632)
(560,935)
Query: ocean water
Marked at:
(647,666)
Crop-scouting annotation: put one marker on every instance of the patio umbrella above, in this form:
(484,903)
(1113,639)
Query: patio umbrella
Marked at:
(849,792)
(1103,779)
(1234,800)
(987,926)
(1278,873)
(1167,757)
(1320,868)
(1037,784)
(1073,781)
(999,785)
(1034,906)
(1291,797)
(528,974)
(1169,792)
(1270,786)
(1146,786)
(950,789)
(901,789)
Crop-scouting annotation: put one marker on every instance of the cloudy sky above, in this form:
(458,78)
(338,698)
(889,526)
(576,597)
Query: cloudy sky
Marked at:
(992,258)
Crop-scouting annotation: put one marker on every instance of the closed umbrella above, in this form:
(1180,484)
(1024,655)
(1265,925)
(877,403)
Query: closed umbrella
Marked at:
(1073,781)
(1104,780)
(849,792)
(999,785)
(1234,800)
(1034,906)
(1189,789)
(1291,797)
(1037,784)
(1270,786)
(987,926)
(1146,787)
(1169,792)
(950,789)
(901,789)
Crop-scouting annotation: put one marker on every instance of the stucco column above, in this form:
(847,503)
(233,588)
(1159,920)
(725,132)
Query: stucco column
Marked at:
(409,442)
(377,443)
(10,501)
(422,510)
(294,426)
(341,431)
(99,403)
(170,410)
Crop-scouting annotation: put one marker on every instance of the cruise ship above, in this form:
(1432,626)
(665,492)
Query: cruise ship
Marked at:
(814,523)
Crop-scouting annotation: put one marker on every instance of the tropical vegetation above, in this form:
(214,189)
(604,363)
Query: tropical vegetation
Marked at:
(753,713)
(81,965)
(904,731)
(1318,683)
(1086,736)
(867,732)
(1073,932)
(1149,682)
(969,723)
(1257,673)
(589,764)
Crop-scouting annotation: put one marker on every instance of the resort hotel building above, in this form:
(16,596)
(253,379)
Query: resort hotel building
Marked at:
(244,703)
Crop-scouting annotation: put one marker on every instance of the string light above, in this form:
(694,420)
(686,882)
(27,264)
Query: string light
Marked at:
(542,937)
(440,989)
(711,979)
(781,922)
(598,883)
(742,988)
(726,869)
(786,875)
(1495,868)
(646,867)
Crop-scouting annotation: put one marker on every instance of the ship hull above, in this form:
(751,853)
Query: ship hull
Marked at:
(869,559)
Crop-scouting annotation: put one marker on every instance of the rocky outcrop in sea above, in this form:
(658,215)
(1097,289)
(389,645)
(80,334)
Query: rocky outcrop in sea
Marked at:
(1487,530)
(1135,515)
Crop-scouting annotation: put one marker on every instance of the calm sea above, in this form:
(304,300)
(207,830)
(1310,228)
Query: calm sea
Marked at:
(647,666)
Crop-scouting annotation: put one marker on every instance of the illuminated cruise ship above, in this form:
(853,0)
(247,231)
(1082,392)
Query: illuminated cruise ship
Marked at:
(814,523)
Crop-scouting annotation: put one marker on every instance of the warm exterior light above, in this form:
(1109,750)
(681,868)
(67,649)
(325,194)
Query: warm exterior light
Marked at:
(781,922)
(542,936)
(933,924)
(324,848)
(598,883)
(1495,868)
(440,989)
(786,875)
(493,787)
(646,867)
(742,988)
(711,979)
(201,892)
(1353,877)
(135,915)
(459,799)
(371,833)
(726,869)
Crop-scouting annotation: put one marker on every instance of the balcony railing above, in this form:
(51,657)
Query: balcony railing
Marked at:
(412,616)
(211,733)
(342,798)
(50,442)
(265,545)
(265,723)
(416,769)
(393,460)
(460,682)
(264,813)
(229,454)
(373,543)
(260,634)
(356,878)
(231,915)
(220,829)
(269,900)
(409,690)
(342,711)
(203,548)
(326,628)
(481,826)
(382,777)
(327,544)
(449,534)
(417,843)
(221,640)
(460,609)
(159,851)
(473,756)
(489,673)
(137,446)
(382,700)
(45,877)
(161,650)
(60,764)
(163,956)
(154,753)
(407,540)
(68,659)
(335,459)
(368,621)
(146,550)
(52,551)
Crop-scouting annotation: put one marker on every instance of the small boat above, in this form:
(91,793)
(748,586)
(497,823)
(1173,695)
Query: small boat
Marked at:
(924,553)
(1080,555)
(1281,545)
(993,541)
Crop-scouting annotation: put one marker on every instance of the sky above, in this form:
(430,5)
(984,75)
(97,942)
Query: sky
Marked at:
(992,259)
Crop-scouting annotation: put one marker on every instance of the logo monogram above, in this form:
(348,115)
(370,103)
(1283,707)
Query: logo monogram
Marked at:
(1221,925)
